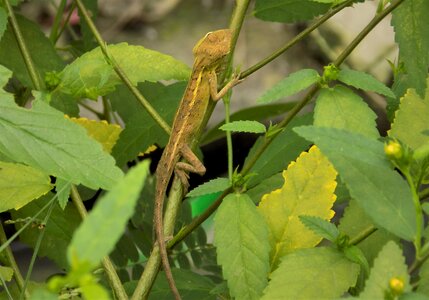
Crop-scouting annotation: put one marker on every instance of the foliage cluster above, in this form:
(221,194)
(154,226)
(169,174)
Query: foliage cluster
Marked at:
(274,232)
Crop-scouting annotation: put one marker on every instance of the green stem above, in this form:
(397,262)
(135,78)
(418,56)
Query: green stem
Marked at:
(419,213)
(227,102)
(374,22)
(3,282)
(110,60)
(12,263)
(108,266)
(36,251)
(363,235)
(292,113)
(30,221)
(296,39)
(23,47)
(418,262)
(152,267)
(53,36)
(185,231)
(235,24)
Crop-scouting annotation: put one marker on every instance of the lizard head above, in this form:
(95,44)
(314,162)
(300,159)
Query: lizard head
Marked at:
(213,46)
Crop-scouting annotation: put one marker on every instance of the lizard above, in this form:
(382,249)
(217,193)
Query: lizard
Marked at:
(202,86)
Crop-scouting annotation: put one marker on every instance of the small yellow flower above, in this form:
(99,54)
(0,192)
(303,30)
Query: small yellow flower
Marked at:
(396,285)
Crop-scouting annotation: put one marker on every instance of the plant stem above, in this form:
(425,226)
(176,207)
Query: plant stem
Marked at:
(296,39)
(152,267)
(108,266)
(110,60)
(418,262)
(363,235)
(185,231)
(12,263)
(36,251)
(18,232)
(419,213)
(23,47)
(53,36)
(227,102)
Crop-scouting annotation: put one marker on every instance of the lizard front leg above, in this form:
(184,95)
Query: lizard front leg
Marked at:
(193,165)
(214,93)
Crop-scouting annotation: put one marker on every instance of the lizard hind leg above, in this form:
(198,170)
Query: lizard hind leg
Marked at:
(193,165)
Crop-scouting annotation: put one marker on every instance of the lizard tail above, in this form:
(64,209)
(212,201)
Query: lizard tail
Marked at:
(159,228)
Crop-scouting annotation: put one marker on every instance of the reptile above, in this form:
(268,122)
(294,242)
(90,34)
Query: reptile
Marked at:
(177,156)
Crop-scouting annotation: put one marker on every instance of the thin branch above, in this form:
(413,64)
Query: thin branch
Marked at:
(108,266)
(12,262)
(23,47)
(296,39)
(110,60)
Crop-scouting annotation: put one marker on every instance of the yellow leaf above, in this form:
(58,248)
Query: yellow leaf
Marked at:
(104,133)
(20,184)
(308,190)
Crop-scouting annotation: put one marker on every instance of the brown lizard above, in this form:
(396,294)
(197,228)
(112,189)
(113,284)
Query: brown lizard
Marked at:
(202,86)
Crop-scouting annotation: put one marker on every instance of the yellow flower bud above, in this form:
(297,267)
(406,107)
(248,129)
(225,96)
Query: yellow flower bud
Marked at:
(393,150)
(396,285)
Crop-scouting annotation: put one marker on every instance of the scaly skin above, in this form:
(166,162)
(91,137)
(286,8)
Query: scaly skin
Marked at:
(202,86)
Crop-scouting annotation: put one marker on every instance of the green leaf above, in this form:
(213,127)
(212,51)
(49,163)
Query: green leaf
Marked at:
(241,239)
(6,274)
(363,167)
(43,294)
(58,230)
(354,222)
(425,207)
(288,11)
(141,131)
(244,126)
(5,75)
(20,184)
(91,76)
(257,113)
(3,21)
(63,188)
(399,87)
(389,264)
(285,148)
(102,228)
(356,255)
(340,108)
(317,273)
(290,85)
(423,286)
(88,39)
(190,285)
(265,186)
(43,53)
(413,296)
(321,227)
(411,120)
(210,187)
(58,146)
(364,81)
(409,21)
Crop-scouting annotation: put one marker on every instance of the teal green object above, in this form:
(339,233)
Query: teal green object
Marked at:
(201,203)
